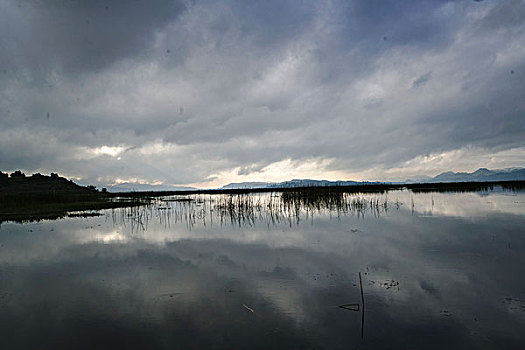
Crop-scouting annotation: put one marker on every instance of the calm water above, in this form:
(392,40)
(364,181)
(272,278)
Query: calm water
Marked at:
(439,270)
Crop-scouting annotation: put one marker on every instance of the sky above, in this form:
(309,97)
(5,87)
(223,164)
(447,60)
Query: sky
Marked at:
(203,93)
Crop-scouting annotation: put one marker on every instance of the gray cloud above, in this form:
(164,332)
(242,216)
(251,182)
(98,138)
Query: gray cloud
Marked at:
(421,80)
(78,36)
(361,84)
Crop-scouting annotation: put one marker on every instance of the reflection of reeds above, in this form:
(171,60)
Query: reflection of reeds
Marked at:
(137,217)
(287,205)
(249,209)
(337,202)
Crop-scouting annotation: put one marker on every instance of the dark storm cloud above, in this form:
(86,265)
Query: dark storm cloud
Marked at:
(78,35)
(206,87)
(421,23)
(505,14)
(421,80)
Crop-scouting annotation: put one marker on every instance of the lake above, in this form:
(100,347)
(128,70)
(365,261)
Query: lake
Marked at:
(392,270)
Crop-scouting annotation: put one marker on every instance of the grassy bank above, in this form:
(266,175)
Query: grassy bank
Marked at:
(39,206)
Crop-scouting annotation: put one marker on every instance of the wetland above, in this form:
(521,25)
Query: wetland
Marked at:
(291,269)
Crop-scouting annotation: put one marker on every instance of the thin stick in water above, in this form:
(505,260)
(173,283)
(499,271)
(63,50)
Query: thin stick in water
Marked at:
(363,309)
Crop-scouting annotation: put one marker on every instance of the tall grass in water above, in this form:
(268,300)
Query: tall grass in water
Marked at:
(251,209)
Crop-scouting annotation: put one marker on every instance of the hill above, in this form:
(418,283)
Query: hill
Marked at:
(29,198)
(18,183)
(482,174)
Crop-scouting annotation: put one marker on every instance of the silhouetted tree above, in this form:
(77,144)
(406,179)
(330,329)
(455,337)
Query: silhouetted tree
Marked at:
(17,173)
(3,178)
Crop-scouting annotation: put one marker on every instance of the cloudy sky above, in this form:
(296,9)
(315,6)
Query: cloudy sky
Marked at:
(204,93)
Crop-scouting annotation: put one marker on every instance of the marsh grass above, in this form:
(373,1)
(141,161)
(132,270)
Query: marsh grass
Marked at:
(236,207)
(251,209)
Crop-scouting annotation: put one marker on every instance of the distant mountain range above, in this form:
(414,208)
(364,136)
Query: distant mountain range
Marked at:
(133,187)
(319,183)
(480,175)
(294,183)
(237,185)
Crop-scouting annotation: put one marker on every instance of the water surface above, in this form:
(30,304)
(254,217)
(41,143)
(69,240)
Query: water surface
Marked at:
(438,270)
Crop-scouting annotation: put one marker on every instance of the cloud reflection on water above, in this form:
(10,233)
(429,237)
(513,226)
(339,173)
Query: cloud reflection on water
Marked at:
(429,282)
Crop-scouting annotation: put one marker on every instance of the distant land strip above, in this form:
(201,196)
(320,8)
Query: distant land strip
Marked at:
(377,187)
